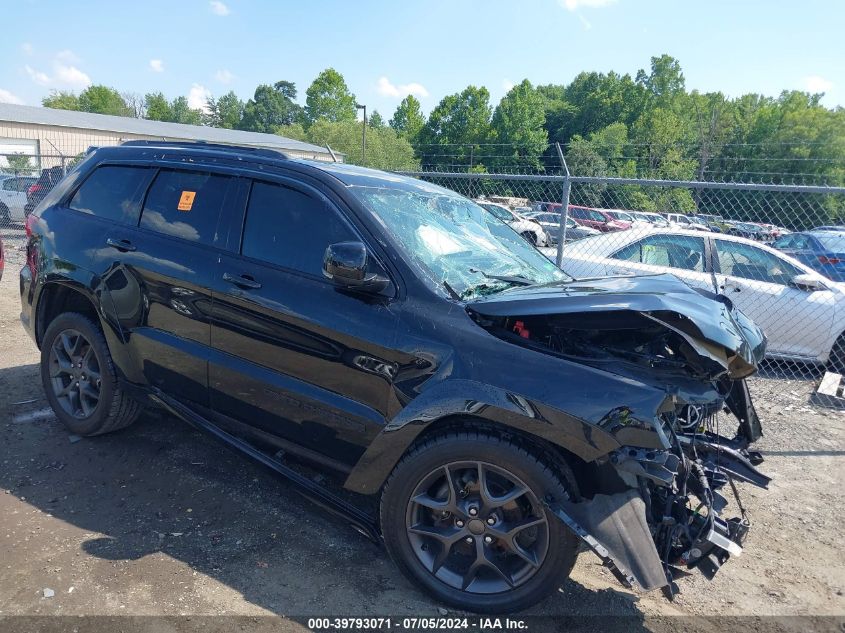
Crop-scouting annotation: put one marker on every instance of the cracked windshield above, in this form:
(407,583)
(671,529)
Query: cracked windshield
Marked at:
(463,248)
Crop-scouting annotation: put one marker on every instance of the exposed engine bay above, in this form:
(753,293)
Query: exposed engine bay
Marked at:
(660,509)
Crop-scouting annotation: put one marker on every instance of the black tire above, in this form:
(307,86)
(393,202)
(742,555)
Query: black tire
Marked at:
(5,216)
(409,550)
(113,408)
(836,361)
(531,237)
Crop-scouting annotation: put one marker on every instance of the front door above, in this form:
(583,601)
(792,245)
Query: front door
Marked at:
(296,358)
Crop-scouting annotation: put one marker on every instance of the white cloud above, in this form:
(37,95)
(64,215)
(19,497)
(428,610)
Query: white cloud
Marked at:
(219,8)
(65,72)
(27,49)
(71,76)
(37,76)
(223,76)
(507,85)
(156,65)
(387,89)
(816,84)
(198,97)
(8,97)
(574,5)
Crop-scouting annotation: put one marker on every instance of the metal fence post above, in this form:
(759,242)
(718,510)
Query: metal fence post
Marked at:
(564,215)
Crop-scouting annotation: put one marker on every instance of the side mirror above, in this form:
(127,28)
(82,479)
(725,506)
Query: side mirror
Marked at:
(345,263)
(807,282)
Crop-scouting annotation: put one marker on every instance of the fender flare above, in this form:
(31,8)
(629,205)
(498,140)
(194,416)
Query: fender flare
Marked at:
(482,402)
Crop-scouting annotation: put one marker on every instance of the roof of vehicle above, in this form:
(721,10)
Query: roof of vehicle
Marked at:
(349,175)
(607,243)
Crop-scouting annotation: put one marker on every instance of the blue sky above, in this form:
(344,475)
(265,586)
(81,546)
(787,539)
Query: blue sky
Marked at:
(386,49)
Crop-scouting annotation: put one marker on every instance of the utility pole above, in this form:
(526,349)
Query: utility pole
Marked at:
(363,134)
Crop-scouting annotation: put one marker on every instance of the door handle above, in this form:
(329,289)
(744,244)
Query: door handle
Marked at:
(121,245)
(242,281)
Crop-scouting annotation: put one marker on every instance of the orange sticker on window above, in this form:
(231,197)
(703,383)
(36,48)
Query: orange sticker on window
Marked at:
(186,201)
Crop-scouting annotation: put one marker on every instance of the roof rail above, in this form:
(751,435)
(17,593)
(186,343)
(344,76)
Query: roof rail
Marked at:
(258,151)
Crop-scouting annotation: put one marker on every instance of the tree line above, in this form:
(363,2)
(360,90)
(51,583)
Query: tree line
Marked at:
(647,125)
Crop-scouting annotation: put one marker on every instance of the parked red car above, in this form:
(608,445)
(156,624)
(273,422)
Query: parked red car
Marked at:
(597,219)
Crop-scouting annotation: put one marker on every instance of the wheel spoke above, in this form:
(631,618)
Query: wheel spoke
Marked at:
(512,529)
(483,560)
(60,367)
(88,391)
(69,343)
(445,538)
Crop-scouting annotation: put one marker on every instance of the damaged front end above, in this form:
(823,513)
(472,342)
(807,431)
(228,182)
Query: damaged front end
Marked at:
(656,506)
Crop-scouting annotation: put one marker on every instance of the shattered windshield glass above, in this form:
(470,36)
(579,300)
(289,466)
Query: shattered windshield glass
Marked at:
(455,243)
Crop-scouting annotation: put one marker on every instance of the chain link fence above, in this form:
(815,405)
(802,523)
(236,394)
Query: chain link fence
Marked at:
(762,245)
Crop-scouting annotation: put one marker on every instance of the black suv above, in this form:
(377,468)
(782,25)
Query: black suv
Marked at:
(484,414)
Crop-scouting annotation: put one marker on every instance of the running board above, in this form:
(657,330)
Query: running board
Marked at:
(360,520)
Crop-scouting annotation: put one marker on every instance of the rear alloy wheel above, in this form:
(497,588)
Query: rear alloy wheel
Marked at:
(80,380)
(75,374)
(463,515)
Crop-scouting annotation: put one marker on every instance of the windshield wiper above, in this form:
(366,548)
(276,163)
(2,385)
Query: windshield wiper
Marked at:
(513,279)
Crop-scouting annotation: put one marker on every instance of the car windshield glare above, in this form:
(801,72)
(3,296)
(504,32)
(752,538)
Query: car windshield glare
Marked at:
(451,240)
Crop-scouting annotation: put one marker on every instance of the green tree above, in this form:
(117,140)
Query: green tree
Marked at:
(385,148)
(270,107)
(103,100)
(375,120)
(329,98)
(18,162)
(183,113)
(408,119)
(665,81)
(294,130)
(225,112)
(518,125)
(158,108)
(61,100)
(457,128)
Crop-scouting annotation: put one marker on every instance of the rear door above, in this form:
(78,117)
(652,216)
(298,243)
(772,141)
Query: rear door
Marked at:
(298,362)
(684,256)
(796,322)
(158,275)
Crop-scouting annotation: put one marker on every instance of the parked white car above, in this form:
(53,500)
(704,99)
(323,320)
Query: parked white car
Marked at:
(13,197)
(628,216)
(682,221)
(531,230)
(801,312)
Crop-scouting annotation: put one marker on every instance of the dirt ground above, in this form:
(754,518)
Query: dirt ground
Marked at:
(160,520)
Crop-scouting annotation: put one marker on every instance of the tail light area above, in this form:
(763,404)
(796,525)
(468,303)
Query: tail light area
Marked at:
(31,245)
(825,259)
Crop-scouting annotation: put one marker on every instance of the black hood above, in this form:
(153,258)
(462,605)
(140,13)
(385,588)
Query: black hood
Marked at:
(708,321)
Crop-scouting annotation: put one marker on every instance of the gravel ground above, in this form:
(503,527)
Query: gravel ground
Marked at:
(160,520)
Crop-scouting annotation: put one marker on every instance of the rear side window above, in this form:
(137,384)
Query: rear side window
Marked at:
(186,204)
(112,192)
(291,229)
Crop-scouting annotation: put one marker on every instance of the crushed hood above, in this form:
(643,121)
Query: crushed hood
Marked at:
(709,322)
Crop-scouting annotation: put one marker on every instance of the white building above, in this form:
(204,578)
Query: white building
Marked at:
(55,137)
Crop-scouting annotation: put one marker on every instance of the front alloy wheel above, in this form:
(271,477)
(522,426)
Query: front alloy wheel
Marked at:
(75,374)
(477,527)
